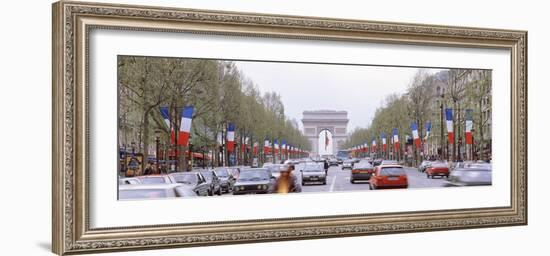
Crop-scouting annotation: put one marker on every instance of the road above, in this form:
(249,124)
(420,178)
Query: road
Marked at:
(338,180)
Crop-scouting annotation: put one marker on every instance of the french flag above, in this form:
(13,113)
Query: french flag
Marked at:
(276,146)
(428,130)
(383,141)
(469,126)
(373,145)
(165,113)
(395,139)
(416,138)
(266,146)
(230,137)
(283,147)
(185,125)
(449,119)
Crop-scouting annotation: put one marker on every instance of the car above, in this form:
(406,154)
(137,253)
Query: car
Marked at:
(128,181)
(389,176)
(437,169)
(361,171)
(213,180)
(313,173)
(376,162)
(275,169)
(347,164)
(471,176)
(194,180)
(226,178)
(333,162)
(155,179)
(254,181)
(422,167)
(151,191)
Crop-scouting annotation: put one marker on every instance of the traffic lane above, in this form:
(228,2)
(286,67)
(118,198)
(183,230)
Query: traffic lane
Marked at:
(419,180)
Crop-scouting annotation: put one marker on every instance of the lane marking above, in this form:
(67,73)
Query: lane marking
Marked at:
(332,184)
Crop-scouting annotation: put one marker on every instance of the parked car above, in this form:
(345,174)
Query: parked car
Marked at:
(313,173)
(422,167)
(155,179)
(150,191)
(437,169)
(194,180)
(361,171)
(254,181)
(347,164)
(128,181)
(388,176)
(213,180)
(226,179)
(476,176)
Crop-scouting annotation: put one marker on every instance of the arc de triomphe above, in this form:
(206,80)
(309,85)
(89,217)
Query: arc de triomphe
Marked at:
(316,121)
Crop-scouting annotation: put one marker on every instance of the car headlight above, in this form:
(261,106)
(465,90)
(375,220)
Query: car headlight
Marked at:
(259,187)
(264,186)
(236,188)
(242,188)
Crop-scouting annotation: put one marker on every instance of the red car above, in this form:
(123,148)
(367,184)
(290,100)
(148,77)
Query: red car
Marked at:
(389,176)
(437,169)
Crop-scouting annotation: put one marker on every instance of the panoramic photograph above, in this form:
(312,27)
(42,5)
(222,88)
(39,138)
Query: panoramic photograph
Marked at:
(190,128)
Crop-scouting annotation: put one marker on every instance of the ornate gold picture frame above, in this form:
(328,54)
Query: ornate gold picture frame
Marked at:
(72,24)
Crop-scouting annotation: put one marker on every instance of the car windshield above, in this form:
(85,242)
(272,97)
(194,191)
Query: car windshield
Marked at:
(312,168)
(142,193)
(392,171)
(153,180)
(188,178)
(252,175)
(222,172)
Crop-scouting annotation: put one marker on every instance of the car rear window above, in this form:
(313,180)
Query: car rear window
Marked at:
(392,171)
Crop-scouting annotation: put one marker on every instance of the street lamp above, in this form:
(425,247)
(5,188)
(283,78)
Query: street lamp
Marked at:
(157,140)
(441,95)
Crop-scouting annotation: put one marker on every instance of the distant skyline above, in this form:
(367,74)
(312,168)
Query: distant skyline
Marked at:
(359,90)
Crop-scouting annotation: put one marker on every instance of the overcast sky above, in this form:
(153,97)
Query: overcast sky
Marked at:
(357,89)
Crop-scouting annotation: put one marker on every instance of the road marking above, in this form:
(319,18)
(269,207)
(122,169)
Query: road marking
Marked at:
(332,184)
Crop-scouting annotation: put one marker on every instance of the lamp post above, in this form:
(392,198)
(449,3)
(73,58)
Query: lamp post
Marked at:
(157,140)
(441,94)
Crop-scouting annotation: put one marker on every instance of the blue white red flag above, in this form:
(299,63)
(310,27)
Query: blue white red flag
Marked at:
(230,137)
(449,119)
(185,125)
(416,138)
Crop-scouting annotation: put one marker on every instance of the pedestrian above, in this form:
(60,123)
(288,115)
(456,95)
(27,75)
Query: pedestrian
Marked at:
(148,169)
(326,166)
(287,180)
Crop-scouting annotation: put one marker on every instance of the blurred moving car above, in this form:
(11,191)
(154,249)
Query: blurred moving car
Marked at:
(333,162)
(128,181)
(388,176)
(422,167)
(437,169)
(473,176)
(226,179)
(347,164)
(313,173)
(254,181)
(194,180)
(155,179)
(213,180)
(361,171)
(150,191)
